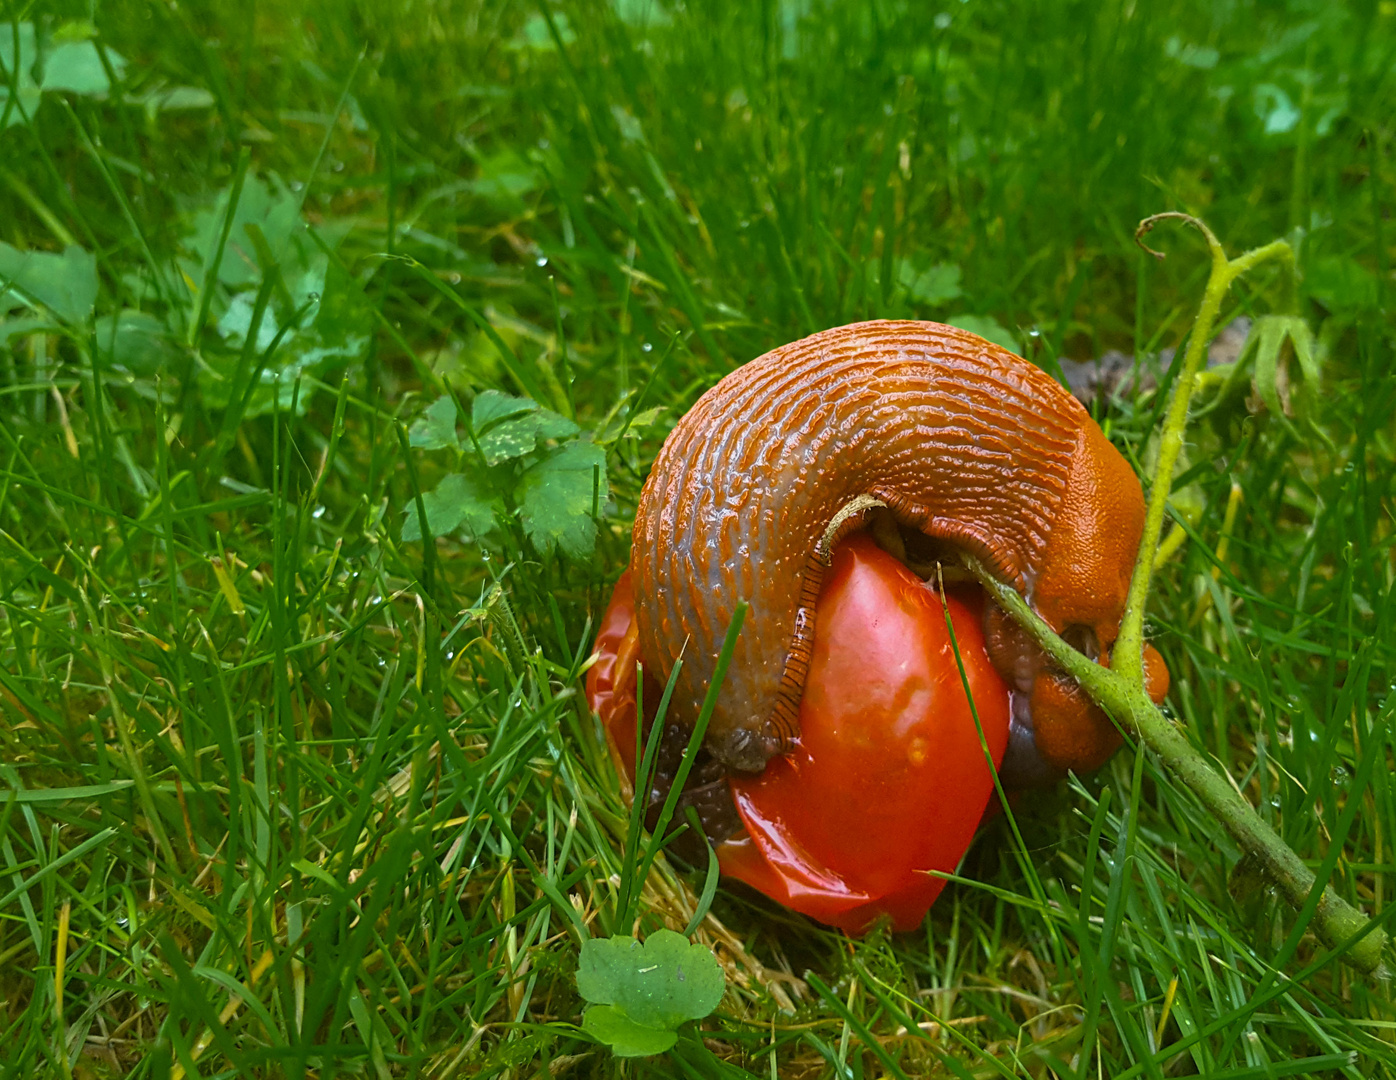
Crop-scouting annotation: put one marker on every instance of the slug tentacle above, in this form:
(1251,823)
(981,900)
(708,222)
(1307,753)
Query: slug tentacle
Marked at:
(956,437)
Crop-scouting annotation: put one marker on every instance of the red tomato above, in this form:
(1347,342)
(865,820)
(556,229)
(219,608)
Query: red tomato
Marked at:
(888,779)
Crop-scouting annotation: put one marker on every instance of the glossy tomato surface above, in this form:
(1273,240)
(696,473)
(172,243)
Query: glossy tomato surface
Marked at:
(889,777)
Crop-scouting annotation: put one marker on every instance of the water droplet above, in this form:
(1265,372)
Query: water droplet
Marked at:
(318,513)
(455,279)
(450,655)
(314,297)
(1338,775)
(646,347)
(542,260)
(485,555)
(1275,801)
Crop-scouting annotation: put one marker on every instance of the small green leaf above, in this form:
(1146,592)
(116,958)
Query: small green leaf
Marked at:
(1341,284)
(535,33)
(1266,339)
(1274,107)
(491,406)
(503,178)
(458,500)
(1305,349)
(65,284)
(514,438)
(436,428)
(617,424)
(625,1037)
(933,286)
(176,98)
(137,341)
(988,328)
(274,209)
(642,12)
(19,71)
(658,984)
(28,51)
(558,494)
(76,67)
(1202,57)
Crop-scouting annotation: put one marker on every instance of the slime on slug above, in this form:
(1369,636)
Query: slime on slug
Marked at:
(962,444)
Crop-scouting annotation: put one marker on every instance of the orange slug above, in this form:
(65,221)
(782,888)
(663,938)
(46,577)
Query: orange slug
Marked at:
(961,442)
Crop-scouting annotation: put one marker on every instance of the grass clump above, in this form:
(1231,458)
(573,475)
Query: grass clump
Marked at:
(285,791)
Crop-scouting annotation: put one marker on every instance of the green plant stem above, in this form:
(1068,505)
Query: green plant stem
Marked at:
(1119,689)
(1335,920)
(1128,652)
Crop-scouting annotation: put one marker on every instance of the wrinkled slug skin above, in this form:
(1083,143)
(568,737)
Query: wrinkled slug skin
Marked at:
(960,438)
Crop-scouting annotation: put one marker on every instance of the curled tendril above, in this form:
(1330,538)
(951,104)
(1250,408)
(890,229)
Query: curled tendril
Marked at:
(1146,226)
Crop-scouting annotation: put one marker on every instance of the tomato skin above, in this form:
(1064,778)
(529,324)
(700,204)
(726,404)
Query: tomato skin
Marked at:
(888,779)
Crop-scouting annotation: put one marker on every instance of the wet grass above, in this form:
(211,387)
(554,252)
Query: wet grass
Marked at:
(287,794)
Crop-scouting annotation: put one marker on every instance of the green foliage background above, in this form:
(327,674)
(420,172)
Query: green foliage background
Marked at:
(285,792)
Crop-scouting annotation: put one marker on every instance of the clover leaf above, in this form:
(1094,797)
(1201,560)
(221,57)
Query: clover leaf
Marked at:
(641,993)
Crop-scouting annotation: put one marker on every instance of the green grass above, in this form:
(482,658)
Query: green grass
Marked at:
(265,824)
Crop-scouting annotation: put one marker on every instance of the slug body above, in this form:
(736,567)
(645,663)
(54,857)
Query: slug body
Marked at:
(961,441)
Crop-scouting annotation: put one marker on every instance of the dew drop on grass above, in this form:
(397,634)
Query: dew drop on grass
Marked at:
(450,655)
(542,260)
(455,279)
(318,513)
(646,347)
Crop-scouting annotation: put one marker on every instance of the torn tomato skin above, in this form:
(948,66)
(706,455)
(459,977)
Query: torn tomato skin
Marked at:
(888,779)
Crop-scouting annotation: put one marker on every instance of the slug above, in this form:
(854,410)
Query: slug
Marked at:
(955,438)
